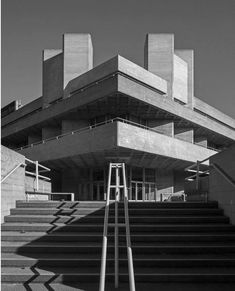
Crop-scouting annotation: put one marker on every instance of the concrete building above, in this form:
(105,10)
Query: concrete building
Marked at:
(118,111)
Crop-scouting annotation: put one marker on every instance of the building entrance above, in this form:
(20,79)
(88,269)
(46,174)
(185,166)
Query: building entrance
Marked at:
(141,191)
(98,191)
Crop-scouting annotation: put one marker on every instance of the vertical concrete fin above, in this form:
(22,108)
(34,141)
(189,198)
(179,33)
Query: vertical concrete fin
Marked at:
(78,55)
(188,57)
(52,76)
(159,57)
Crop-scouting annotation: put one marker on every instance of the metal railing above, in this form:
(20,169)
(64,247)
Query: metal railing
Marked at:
(195,168)
(198,172)
(88,128)
(36,174)
(12,171)
(117,187)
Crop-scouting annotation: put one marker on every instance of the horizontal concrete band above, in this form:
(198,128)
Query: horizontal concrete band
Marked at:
(113,136)
(128,87)
(135,90)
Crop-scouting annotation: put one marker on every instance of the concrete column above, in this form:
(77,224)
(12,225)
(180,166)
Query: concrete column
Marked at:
(78,55)
(164,126)
(188,57)
(52,76)
(32,138)
(185,134)
(71,124)
(50,131)
(159,57)
(201,140)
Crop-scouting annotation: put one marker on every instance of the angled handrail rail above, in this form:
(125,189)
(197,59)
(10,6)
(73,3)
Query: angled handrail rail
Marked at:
(198,172)
(12,171)
(222,173)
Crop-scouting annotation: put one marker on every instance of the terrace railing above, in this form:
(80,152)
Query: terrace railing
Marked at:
(91,127)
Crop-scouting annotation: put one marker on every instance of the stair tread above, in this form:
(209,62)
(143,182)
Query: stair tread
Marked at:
(58,257)
(69,234)
(137,224)
(147,271)
(156,245)
(111,216)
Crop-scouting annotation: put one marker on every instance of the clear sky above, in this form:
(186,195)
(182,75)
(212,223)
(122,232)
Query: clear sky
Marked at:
(119,27)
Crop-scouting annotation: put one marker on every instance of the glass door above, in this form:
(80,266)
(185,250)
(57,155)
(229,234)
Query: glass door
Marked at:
(136,191)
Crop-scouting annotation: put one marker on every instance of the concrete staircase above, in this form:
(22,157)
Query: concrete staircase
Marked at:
(50,242)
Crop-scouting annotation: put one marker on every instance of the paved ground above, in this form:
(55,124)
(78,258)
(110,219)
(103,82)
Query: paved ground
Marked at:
(110,287)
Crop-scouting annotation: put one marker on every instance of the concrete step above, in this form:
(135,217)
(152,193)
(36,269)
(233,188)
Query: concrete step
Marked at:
(97,236)
(100,204)
(88,260)
(132,212)
(123,286)
(85,227)
(62,275)
(138,248)
(73,219)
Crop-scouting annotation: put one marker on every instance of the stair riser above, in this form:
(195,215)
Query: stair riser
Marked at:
(139,265)
(144,239)
(133,228)
(138,250)
(131,205)
(132,212)
(133,220)
(123,278)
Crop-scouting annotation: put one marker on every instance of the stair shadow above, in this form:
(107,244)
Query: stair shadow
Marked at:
(49,240)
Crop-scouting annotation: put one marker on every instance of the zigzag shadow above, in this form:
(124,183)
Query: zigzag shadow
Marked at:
(71,248)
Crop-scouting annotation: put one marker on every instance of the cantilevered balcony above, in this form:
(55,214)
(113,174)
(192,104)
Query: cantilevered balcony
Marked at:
(117,139)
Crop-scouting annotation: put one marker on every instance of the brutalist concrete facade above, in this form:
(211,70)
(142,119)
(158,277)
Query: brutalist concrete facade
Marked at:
(118,111)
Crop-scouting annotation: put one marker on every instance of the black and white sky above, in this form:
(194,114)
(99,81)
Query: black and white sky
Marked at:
(119,27)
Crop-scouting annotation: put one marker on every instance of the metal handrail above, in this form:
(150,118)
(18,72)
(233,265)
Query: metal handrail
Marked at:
(116,225)
(37,175)
(198,172)
(12,171)
(226,176)
(87,128)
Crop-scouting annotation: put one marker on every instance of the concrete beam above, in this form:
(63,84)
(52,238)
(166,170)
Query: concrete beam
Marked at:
(201,140)
(158,57)
(112,66)
(136,90)
(78,55)
(213,112)
(151,142)
(32,138)
(188,57)
(52,81)
(186,134)
(164,126)
(50,131)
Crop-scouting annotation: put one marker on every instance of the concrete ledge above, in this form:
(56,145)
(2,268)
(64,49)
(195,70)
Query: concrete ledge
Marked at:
(117,64)
(23,111)
(213,112)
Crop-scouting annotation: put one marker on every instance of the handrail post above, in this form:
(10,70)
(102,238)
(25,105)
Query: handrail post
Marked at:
(116,228)
(37,172)
(197,176)
(128,239)
(104,245)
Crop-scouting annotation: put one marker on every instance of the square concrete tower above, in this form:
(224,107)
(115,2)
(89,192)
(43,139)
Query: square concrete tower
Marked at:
(52,76)
(175,66)
(78,55)
(159,57)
